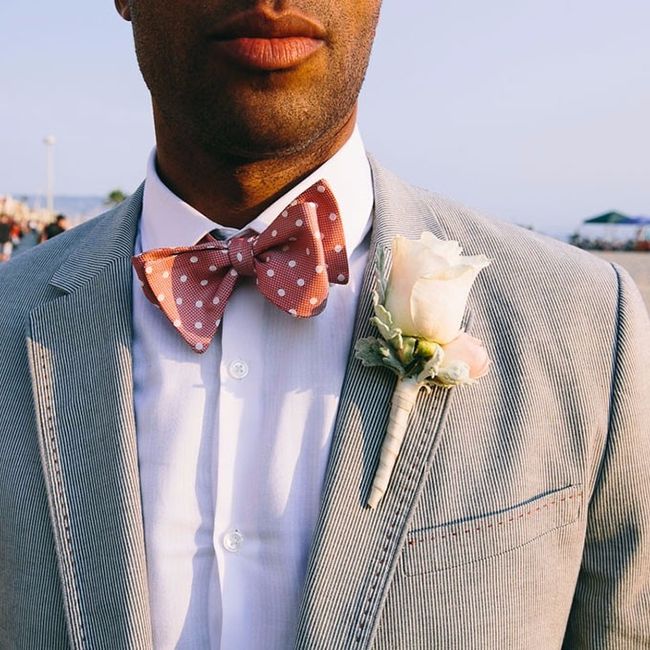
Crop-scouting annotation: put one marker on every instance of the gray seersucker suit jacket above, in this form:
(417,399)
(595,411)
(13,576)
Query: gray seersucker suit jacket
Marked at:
(518,516)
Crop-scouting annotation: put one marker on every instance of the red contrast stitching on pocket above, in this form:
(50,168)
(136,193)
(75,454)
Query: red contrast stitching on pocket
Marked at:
(479,529)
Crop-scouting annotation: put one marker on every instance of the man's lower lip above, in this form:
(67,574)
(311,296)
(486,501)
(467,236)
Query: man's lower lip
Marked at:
(269,53)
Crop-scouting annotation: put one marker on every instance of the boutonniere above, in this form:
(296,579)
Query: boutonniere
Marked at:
(418,311)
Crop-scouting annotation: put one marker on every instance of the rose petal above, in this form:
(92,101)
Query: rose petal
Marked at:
(429,285)
(411,260)
(448,249)
(438,303)
(469,350)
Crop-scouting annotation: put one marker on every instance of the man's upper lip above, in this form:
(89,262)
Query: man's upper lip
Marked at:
(256,24)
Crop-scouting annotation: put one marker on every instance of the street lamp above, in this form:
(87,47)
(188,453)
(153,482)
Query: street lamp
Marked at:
(49,142)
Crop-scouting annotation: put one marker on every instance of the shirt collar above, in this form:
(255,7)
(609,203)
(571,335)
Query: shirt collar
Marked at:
(167,221)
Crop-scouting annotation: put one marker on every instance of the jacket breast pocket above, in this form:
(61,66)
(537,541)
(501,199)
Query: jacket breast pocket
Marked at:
(476,538)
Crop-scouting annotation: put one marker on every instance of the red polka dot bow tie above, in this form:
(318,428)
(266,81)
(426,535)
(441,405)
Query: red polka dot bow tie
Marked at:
(294,260)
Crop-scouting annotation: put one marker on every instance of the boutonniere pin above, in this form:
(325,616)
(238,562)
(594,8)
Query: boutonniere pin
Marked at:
(418,311)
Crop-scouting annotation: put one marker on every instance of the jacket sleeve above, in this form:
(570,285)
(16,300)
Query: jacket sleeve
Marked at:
(611,606)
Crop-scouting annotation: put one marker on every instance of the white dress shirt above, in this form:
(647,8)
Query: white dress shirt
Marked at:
(233,443)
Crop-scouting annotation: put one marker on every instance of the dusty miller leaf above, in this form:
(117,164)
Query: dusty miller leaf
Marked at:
(381,275)
(384,329)
(384,315)
(383,321)
(390,360)
(368,352)
(376,352)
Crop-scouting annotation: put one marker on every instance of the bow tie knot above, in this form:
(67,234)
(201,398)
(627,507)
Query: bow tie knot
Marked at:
(241,254)
(293,260)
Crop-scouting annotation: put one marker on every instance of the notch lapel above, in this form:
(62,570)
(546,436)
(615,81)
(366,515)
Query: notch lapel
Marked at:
(80,359)
(355,549)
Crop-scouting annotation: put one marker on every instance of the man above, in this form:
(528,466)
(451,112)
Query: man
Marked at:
(58,226)
(6,240)
(30,236)
(212,494)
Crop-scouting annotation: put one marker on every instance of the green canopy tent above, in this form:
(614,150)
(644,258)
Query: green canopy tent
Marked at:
(613,218)
(609,222)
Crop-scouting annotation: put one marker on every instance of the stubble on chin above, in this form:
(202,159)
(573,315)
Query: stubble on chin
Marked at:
(253,117)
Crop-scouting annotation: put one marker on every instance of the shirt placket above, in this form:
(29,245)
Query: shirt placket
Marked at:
(237,465)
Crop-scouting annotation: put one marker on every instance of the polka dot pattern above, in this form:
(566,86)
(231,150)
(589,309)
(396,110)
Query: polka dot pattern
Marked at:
(293,261)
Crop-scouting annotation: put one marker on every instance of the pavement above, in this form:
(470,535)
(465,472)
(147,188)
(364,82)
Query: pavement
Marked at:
(636,264)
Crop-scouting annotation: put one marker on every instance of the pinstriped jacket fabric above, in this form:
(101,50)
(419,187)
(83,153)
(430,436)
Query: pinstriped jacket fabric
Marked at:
(518,515)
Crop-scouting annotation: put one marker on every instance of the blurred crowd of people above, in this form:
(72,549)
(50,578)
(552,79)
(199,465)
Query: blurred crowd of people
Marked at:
(16,236)
(637,243)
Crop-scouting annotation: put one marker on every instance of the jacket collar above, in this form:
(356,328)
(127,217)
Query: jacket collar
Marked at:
(112,240)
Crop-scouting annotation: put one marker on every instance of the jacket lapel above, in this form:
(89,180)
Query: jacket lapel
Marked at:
(80,359)
(354,552)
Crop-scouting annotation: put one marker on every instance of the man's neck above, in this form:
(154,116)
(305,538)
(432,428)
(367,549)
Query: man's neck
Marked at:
(234,193)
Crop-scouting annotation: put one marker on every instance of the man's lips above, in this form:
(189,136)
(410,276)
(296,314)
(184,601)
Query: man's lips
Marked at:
(258,41)
(269,53)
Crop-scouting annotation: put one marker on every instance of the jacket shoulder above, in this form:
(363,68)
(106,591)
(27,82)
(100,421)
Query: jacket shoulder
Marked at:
(518,245)
(513,248)
(522,258)
(534,273)
(533,279)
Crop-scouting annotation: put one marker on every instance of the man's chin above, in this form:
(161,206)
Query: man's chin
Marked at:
(265,139)
(262,148)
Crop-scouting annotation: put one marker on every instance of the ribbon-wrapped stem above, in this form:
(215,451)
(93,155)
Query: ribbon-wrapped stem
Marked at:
(406,392)
(418,312)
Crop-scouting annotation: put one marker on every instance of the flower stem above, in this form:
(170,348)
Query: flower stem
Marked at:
(406,392)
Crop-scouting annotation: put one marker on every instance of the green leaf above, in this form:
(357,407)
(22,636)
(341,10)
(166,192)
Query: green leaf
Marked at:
(407,350)
(384,315)
(385,331)
(391,361)
(381,275)
(396,339)
(383,321)
(375,352)
(368,351)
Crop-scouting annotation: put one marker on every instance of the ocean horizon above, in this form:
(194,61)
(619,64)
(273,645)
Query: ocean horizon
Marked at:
(80,208)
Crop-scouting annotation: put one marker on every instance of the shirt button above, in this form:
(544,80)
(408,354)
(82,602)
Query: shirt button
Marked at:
(232,541)
(238,369)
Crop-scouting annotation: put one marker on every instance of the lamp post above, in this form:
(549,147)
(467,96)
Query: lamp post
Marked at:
(49,142)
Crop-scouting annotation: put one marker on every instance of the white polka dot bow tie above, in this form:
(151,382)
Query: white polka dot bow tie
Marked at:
(294,260)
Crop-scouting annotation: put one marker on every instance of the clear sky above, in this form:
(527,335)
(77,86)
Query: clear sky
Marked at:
(536,112)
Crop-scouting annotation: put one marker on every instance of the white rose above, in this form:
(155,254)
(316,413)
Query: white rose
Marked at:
(428,287)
